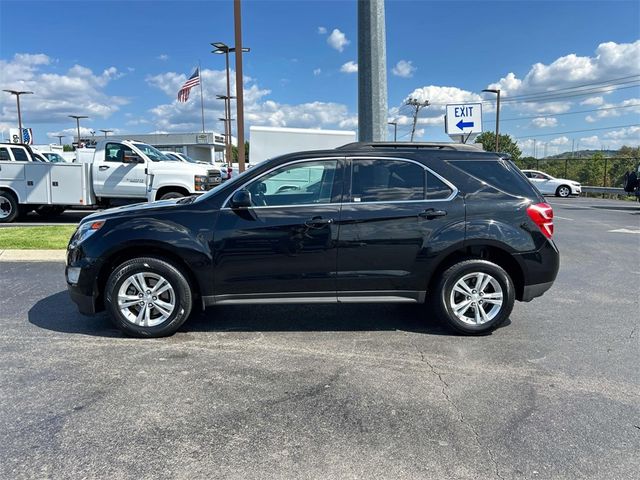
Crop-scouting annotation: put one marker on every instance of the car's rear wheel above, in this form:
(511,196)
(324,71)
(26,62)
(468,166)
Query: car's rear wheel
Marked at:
(563,191)
(474,296)
(148,297)
(8,207)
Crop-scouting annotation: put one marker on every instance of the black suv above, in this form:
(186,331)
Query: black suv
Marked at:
(366,222)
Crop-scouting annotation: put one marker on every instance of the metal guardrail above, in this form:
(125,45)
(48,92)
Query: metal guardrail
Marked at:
(609,190)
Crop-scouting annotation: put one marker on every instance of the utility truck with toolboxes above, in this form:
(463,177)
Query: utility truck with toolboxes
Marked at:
(114,173)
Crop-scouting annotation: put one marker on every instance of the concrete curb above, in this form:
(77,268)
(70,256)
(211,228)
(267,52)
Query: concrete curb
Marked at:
(32,255)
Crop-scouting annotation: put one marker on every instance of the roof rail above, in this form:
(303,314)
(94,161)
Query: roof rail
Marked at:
(411,146)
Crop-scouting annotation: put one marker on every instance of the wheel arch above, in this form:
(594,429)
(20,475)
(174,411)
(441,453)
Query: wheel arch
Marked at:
(128,253)
(172,188)
(11,191)
(493,253)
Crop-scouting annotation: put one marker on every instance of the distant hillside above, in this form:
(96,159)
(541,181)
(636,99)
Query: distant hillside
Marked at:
(584,154)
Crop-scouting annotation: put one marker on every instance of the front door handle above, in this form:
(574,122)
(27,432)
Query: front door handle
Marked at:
(103,168)
(431,213)
(317,222)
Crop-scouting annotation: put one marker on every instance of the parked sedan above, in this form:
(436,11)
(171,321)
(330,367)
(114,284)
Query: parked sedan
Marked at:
(548,185)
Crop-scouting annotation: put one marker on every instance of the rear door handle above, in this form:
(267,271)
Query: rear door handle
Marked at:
(317,222)
(103,167)
(430,213)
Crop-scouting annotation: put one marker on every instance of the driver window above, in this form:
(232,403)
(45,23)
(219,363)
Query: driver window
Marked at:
(297,184)
(115,152)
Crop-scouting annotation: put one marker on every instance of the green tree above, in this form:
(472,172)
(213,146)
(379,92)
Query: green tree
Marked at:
(67,148)
(234,152)
(506,144)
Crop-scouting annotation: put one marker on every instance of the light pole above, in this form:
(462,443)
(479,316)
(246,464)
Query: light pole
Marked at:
(78,117)
(227,125)
(17,93)
(60,137)
(223,48)
(106,132)
(497,92)
(395,130)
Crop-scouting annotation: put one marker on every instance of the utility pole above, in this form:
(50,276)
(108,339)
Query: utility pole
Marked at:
(17,93)
(237,15)
(417,106)
(372,71)
(534,149)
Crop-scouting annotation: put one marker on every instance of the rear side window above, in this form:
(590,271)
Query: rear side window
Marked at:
(20,155)
(4,155)
(378,180)
(436,188)
(501,174)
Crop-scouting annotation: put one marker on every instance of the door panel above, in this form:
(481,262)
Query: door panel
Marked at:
(114,178)
(285,244)
(389,247)
(276,250)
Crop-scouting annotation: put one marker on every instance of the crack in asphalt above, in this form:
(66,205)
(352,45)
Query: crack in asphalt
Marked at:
(461,418)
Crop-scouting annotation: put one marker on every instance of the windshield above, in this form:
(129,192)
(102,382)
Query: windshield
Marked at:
(154,154)
(189,159)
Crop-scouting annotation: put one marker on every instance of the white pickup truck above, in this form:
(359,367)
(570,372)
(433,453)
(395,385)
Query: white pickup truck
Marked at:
(112,173)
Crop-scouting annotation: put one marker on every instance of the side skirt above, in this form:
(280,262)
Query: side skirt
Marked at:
(382,296)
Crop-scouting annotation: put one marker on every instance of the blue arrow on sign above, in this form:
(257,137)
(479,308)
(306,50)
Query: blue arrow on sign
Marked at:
(462,125)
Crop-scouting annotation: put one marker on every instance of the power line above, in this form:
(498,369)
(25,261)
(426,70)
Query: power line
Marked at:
(613,81)
(569,113)
(578,131)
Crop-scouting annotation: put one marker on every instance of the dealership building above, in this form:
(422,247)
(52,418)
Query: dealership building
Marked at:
(206,147)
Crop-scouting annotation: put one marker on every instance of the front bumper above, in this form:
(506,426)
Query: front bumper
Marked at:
(81,274)
(576,190)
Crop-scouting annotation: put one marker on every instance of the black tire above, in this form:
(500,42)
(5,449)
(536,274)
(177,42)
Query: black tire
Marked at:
(563,191)
(149,265)
(9,207)
(170,195)
(441,296)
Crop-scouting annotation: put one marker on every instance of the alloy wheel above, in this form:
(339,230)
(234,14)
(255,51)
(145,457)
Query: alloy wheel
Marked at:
(146,299)
(476,298)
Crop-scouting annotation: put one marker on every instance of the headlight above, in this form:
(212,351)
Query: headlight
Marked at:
(200,183)
(575,184)
(85,230)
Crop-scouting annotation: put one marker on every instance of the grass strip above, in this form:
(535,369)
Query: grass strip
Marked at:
(53,237)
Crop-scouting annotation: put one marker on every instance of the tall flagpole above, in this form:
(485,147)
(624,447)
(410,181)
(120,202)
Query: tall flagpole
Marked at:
(201,95)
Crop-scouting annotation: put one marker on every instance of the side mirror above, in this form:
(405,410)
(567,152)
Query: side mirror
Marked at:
(132,158)
(241,199)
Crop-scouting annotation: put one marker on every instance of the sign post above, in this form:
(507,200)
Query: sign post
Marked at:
(463,121)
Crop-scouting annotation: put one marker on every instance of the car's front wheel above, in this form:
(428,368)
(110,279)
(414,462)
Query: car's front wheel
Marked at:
(474,296)
(563,191)
(148,297)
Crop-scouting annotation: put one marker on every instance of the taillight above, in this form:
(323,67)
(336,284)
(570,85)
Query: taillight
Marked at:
(542,216)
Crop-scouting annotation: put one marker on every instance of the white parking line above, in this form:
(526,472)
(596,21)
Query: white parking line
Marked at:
(562,218)
(625,230)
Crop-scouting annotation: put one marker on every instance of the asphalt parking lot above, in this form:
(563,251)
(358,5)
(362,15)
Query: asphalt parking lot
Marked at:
(334,392)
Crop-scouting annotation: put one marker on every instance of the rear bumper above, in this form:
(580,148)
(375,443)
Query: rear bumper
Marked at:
(539,270)
(532,291)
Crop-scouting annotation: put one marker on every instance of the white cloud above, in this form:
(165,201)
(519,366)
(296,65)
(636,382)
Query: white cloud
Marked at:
(590,142)
(322,30)
(559,141)
(543,122)
(349,67)
(163,56)
(337,40)
(404,69)
(629,106)
(317,71)
(259,110)
(625,136)
(610,60)
(594,101)
(56,95)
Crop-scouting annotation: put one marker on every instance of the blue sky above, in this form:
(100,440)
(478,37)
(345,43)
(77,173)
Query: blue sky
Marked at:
(122,63)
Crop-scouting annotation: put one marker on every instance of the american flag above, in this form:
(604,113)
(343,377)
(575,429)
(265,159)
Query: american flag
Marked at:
(183,93)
